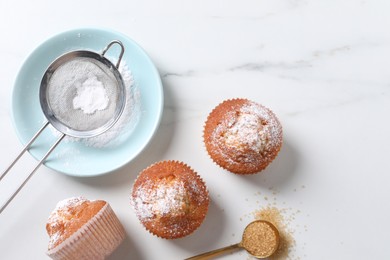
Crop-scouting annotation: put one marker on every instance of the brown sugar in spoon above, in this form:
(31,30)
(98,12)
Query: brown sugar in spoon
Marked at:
(260,239)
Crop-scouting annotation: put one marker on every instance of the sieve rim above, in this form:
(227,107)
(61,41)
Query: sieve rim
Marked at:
(48,111)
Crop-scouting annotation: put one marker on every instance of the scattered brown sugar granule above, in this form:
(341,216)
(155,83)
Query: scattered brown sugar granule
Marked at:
(260,239)
(286,240)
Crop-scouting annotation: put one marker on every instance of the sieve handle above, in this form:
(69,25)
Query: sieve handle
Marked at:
(24,150)
(120,54)
(36,167)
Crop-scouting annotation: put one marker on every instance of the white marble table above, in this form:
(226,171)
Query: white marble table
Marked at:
(322,66)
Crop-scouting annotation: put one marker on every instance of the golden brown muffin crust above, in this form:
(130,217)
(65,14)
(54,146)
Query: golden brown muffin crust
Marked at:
(170,199)
(242,136)
(69,216)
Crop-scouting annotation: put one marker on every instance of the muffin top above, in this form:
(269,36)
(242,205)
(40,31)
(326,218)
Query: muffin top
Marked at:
(242,136)
(70,215)
(170,199)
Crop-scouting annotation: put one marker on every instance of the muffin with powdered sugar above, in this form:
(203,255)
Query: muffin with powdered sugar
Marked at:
(83,229)
(170,199)
(242,136)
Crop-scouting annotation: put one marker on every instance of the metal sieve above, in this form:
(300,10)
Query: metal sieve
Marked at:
(59,86)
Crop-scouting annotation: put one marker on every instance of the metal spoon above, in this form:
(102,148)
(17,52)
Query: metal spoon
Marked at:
(260,239)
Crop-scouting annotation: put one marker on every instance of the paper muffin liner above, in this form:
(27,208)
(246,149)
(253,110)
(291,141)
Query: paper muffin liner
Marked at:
(224,167)
(185,232)
(95,240)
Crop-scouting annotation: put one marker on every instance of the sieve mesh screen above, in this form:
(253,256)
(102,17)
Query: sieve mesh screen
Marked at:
(62,89)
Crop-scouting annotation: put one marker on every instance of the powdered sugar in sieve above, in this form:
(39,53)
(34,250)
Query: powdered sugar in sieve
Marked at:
(83,94)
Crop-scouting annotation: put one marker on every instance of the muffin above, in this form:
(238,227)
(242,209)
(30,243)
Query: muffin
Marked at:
(82,229)
(170,199)
(242,136)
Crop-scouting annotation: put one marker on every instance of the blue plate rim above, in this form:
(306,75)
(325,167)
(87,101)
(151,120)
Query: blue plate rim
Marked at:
(93,30)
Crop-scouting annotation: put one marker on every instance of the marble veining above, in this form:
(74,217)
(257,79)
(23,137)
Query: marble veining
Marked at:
(321,66)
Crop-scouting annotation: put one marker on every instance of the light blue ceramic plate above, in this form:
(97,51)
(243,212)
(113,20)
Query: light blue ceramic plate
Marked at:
(75,158)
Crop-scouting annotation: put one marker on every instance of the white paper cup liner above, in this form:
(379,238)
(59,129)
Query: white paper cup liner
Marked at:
(95,240)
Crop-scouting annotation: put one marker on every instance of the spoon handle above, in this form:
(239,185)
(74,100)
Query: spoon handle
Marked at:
(213,253)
